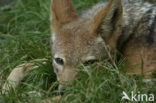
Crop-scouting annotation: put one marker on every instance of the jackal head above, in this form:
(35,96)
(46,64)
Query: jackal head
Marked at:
(76,39)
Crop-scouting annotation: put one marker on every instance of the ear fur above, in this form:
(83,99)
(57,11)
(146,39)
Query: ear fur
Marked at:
(108,22)
(62,12)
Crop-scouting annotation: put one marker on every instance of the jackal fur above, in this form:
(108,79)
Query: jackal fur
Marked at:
(128,26)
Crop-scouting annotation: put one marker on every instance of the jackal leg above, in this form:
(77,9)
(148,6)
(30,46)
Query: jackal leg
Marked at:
(19,73)
(142,60)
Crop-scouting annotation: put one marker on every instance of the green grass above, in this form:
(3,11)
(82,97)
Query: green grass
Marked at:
(25,35)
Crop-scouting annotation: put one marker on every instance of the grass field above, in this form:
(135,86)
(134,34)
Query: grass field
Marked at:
(25,36)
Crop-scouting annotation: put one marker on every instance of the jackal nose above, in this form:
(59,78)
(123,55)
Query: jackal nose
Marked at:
(62,88)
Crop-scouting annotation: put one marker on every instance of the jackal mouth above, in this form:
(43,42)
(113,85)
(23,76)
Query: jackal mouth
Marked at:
(62,89)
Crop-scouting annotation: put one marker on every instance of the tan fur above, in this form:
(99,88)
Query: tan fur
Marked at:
(103,19)
(76,37)
(63,12)
(18,74)
(113,40)
(141,59)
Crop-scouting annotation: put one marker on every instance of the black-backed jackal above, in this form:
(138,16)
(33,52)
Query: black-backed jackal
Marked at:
(129,27)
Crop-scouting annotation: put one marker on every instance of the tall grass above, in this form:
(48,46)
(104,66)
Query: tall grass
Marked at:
(25,35)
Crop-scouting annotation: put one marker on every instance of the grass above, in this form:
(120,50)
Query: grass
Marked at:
(24,36)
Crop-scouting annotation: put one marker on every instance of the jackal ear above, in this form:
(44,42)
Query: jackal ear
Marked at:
(62,12)
(108,22)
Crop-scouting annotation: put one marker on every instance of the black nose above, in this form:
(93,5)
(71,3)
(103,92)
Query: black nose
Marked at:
(62,89)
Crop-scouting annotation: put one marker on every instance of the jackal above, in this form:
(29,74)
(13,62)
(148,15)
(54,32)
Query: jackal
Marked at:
(128,26)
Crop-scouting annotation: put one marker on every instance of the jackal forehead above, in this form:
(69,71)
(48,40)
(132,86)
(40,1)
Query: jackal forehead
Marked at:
(78,49)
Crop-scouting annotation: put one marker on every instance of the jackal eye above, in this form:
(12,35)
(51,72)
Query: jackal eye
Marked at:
(59,61)
(89,62)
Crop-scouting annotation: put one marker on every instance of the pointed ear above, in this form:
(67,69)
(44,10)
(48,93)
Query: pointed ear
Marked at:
(62,12)
(108,22)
